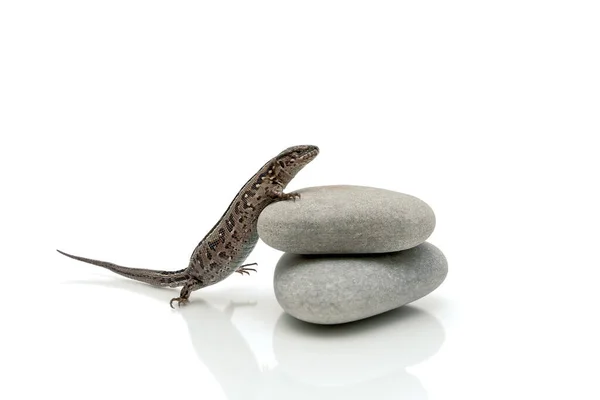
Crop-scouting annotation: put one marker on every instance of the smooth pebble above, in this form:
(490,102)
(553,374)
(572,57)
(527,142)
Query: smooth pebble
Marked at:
(346,219)
(339,289)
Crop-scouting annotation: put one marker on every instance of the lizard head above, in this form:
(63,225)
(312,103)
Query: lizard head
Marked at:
(291,160)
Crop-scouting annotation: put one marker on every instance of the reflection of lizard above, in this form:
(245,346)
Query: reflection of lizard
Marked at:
(239,380)
(233,363)
(226,246)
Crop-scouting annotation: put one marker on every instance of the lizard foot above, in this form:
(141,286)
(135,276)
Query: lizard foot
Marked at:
(290,196)
(277,194)
(179,300)
(244,270)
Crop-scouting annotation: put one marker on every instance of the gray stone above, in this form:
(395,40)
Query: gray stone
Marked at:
(346,219)
(338,289)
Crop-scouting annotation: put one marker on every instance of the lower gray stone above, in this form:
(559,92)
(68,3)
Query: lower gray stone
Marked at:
(338,289)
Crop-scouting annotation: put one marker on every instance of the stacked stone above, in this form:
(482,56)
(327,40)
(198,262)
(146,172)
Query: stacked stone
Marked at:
(351,252)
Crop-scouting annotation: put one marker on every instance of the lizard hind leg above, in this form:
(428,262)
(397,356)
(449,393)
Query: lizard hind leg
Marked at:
(184,295)
(245,270)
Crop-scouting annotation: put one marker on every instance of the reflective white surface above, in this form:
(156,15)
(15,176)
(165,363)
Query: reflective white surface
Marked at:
(82,329)
(126,128)
(244,348)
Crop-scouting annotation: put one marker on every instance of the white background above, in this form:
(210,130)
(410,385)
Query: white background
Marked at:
(128,126)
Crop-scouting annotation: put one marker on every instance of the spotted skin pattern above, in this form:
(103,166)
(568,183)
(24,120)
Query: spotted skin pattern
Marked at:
(225,247)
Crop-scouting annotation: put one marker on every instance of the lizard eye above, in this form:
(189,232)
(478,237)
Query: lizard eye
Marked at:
(281,163)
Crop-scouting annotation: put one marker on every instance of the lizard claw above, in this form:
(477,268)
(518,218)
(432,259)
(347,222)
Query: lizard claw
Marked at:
(285,196)
(245,270)
(290,196)
(179,300)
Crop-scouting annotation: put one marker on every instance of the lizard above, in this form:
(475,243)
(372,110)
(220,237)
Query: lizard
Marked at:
(227,245)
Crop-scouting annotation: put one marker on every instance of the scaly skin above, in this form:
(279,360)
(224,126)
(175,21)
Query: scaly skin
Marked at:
(223,250)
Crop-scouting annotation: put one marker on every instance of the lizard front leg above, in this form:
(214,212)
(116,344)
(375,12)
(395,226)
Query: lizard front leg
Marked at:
(276,192)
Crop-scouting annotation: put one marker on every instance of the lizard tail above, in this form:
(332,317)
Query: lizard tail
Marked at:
(150,276)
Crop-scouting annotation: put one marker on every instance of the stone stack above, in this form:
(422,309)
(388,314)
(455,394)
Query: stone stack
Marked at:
(351,252)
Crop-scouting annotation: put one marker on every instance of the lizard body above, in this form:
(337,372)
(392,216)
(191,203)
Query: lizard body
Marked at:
(225,247)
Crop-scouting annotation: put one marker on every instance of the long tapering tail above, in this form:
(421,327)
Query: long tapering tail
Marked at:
(150,276)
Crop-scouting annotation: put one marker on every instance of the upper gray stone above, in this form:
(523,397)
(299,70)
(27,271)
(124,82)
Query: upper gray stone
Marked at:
(346,219)
(344,288)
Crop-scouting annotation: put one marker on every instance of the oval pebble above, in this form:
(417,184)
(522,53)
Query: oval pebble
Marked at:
(339,289)
(346,219)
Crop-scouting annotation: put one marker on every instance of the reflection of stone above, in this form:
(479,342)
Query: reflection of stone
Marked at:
(358,360)
(335,289)
(394,386)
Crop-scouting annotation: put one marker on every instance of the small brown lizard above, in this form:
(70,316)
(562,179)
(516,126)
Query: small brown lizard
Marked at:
(224,249)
